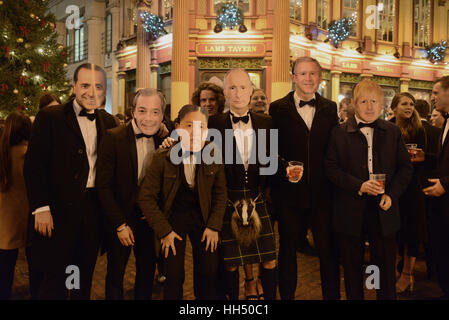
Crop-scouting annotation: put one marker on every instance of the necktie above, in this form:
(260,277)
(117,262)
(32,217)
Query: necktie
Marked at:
(90,116)
(371,125)
(236,119)
(310,103)
(143,135)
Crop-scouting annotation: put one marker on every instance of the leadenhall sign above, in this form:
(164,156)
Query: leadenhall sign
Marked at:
(230,49)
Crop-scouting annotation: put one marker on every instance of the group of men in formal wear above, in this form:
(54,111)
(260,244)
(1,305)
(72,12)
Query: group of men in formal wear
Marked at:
(93,185)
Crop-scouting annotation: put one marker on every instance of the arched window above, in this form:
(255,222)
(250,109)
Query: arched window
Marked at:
(421,22)
(387,11)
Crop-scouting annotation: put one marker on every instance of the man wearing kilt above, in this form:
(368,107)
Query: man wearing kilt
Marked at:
(247,236)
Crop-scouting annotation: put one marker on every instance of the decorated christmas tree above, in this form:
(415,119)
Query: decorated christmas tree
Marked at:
(32,63)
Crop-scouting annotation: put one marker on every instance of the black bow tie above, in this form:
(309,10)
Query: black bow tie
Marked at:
(445,115)
(90,116)
(310,103)
(143,135)
(236,119)
(371,125)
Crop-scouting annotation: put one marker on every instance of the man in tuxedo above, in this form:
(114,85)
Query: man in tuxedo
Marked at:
(124,154)
(362,146)
(60,170)
(439,224)
(304,119)
(244,181)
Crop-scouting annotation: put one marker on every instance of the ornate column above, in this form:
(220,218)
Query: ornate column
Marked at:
(335,79)
(404,84)
(115,13)
(121,76)
(280,81)
(180,57)
(95,14)
(143,70)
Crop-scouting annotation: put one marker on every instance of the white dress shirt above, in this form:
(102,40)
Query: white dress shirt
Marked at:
(244,137)
(306,112)
(368,132)
(145,151)
(189,169)
(446,129)
(89,132)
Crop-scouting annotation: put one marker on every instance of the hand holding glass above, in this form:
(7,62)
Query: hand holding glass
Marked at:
(295,170)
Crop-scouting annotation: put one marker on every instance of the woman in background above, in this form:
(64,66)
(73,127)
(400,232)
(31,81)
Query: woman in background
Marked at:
(13,198)
(412,203)
(259,101)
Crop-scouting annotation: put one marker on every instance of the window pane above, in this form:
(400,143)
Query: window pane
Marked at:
(295,9)
(167,8)
(321,8)
(77,45)
(386,20)
(350,9)
(421,22)
(82,55)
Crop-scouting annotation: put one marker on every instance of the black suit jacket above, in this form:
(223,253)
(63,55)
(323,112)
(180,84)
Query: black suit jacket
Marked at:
(56,166)
(347,167)
(236,172)
(442,164)
(117,178)
(296,142)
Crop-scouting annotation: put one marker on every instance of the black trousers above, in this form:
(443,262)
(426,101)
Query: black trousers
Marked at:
(290,221)
(439,230)
(205,262)
(80,249)
(145,255)
(8,260)
(382,255)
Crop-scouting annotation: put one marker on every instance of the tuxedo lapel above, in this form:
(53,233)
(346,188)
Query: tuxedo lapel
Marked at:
(132,149)
(71,121)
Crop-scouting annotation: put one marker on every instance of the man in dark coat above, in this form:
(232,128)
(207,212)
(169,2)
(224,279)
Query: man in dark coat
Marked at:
(60,169)
(124,154)
(362,146)
(304,120)
(439,225)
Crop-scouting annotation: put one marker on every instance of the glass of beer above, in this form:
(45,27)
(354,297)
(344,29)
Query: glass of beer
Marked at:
(294,171)
(380,178)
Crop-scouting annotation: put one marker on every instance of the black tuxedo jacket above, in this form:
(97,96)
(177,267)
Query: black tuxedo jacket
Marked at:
(117,178)
(235,173)
(347,167)
(297,142)
(442,163)
(56,169)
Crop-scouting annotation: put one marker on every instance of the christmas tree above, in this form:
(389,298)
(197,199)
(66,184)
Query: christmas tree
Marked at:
(32,63)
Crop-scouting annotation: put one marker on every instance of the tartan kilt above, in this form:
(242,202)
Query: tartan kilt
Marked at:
(263,249)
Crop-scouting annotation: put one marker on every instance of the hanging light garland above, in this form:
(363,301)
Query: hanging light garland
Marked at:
(230,16)
(339,30)
(153,24)
(437,52)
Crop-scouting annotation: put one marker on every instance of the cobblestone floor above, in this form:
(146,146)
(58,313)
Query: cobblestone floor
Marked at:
(308,280)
